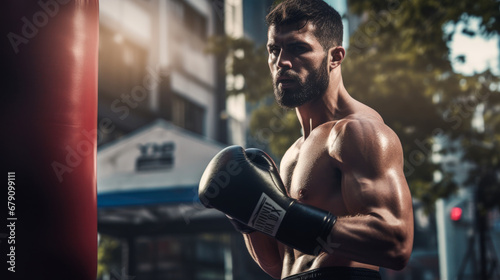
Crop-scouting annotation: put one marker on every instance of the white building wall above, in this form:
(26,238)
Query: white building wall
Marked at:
(235,105)
(234,18)
(128,18)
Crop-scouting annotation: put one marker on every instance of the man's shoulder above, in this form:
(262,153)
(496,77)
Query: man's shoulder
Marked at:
(357,137)
(361,128)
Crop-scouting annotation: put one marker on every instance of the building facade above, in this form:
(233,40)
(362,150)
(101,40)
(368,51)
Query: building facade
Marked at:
(154,64)
(163,114)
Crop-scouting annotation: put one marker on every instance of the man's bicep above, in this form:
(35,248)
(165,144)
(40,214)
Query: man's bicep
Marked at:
(372,163)
(383,196)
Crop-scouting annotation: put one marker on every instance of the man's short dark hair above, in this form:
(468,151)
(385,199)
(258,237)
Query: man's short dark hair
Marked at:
(328,23)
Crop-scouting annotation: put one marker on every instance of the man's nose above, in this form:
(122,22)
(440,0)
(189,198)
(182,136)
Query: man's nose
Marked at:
(284,60)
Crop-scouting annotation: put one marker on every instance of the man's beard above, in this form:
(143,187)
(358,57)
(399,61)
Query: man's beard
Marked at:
(314,86)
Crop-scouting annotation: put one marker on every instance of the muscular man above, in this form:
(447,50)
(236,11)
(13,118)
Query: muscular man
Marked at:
(348,162)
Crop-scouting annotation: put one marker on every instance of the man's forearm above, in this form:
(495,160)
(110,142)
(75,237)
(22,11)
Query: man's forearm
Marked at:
(265,251)
(371,239)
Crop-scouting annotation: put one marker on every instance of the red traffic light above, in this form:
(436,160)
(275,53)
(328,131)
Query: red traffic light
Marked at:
(456,214)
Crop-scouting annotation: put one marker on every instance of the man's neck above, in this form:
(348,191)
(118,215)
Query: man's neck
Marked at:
(329,107)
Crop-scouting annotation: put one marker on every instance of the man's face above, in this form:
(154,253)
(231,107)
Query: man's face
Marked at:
(298,64)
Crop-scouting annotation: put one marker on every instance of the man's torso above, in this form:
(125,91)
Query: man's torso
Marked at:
(313,177)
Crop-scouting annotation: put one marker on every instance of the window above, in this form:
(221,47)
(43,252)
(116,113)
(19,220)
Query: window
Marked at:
(187,114)
(195,22)
(122,65)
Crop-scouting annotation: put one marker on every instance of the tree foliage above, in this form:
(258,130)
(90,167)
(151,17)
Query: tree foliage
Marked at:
(247,60)
(108,255)
(398,63)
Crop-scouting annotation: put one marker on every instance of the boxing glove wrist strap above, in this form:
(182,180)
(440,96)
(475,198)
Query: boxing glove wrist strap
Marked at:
(307,229)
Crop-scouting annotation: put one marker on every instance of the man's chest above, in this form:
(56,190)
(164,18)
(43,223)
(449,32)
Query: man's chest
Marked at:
(311,176)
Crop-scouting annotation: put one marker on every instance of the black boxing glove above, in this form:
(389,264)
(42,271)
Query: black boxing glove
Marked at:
(246,186)
(239,226)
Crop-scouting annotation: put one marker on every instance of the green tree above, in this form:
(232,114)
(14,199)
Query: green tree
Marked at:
(108,255)
(398,63)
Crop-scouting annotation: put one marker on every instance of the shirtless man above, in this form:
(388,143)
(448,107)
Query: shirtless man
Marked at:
(348,163)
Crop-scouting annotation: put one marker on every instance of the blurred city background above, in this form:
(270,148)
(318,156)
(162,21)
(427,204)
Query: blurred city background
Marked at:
(181,79)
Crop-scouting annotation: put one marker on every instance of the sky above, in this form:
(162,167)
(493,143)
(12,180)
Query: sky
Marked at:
(481,53)
(341,7)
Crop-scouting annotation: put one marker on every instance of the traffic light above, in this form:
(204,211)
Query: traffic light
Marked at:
(456,214)
(462,212)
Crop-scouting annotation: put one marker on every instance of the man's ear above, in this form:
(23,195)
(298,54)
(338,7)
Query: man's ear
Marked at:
(335,56)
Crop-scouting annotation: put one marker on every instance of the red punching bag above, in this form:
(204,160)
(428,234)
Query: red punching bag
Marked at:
(48,221)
